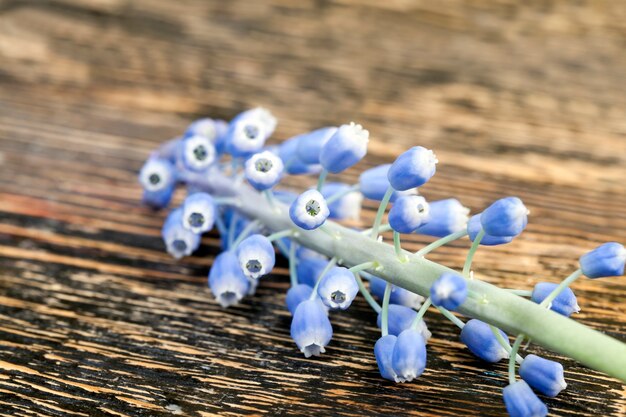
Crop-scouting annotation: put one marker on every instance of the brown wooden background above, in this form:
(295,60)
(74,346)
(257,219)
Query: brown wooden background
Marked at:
(95,319)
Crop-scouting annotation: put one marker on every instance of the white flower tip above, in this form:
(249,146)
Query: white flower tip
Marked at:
(561,384)
(358,132)
(313,350)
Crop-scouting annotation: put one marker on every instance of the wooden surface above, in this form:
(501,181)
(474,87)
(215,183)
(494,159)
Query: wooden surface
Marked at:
(95,319)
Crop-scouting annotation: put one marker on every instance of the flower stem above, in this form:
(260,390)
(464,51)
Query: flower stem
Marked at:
(366,294)
(421,313)
(363,266)
(321,179)
(470,254)
(340,194)
(440,242)
(327,268)
(382,229)
(244,233)
(231,229)
(293,274)
(384,320)
(504,343)
(398,247)
(513,357)
(564,284)
(269,196)
(521,293)
(381,212)
(281,234)
(454,319)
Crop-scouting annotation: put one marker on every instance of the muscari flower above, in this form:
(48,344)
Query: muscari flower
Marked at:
(474,226)
(338,288)
(383,351)
(288,152)
(296,295)
(373,184)
(408,213)
(348,207)
(412,169)
(309,211)
(310,144)
(309,269)
(481,341)
(206,127)
(543,375)
(449,291)
(264,170)
(158,180)
(398,294)
(505,217)
(409,355)
(249,130)
(346,147)
(606,260)
(179,241)
(445,217)
(401,318)
(311,328)
(226,280)
(521,401)
(565,302)
(256,256)
(197,153)
(199,212)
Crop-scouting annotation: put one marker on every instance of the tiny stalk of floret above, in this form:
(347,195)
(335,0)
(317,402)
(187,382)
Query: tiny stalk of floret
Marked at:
(398,247)
(244,233)
(381,212)
(564,284)
(513,357)
(332,262)
(504,343)
(454,319)
(282,234)
(342,193)
(470,255)
(440,242)
(384,320)
(421,313)
(293,274)
(364,266)
(269,196)
(366,294)
(321,179)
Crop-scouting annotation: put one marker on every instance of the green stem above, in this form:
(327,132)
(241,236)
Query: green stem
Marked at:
(521,293)
(454,319)
(398,247)
(293,274)
(504,343)
(381,212)
(321,179)
(506,311)
(421,313)
(384,320)
(269,196)
(363,266)
(327,268)
(244,233)
(281,234)
(343,193)
(470,254)
(231,229)
(440,242)
(513,357)
(366,294)
(382,229)
(564,284)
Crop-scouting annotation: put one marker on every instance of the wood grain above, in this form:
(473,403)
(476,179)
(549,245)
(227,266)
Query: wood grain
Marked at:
(95,320)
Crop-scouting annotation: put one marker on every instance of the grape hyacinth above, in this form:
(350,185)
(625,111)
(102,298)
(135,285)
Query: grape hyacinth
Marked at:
(233,177)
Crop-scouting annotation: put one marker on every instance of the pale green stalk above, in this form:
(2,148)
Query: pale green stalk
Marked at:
(366,294)
(384,320)
(440,242)
(381,212)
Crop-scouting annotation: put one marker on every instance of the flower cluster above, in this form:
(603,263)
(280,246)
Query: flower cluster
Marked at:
(237,151)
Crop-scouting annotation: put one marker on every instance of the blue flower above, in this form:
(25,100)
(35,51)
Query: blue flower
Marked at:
(398,294)
(178,240)
(338,288)
(400,318)
(409,355)
(445,217)
(311,328)
(309,211)
(296,295)
(158,180)
(481,341)
(346,147)
(348,207)
(303,253)
(408,213)
(249,130)
(521,401)
(373,184)
(412,169)
(604,261)
(310,144)
(309,270)
(565,303)
(199,212)
(474,226)
(543,375)
(288,152)
(505,217)
(256,256)
(449,291)
(206,127)
(226,280)
(383,351)
(196,153)
(264,170)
